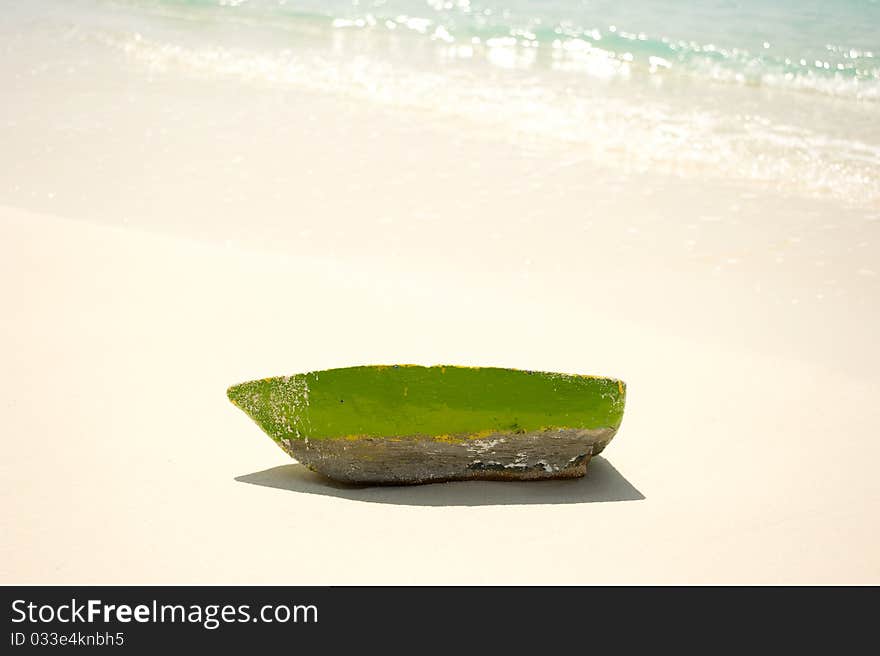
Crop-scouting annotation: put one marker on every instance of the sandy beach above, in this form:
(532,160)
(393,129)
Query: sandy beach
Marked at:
(125,463)
(166,233)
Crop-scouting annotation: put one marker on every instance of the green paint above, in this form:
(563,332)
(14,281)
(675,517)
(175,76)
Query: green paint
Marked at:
(446,402)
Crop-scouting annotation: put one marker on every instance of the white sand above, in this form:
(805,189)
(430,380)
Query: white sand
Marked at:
(120,451)
(165,233)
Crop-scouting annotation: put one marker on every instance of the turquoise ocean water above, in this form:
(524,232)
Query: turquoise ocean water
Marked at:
(784,93)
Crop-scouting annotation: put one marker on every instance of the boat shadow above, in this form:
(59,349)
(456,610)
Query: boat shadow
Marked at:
(603,483)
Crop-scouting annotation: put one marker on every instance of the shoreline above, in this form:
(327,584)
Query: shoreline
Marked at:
(186,205)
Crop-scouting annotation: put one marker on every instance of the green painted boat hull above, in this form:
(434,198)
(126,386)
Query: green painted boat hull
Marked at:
(403,424)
